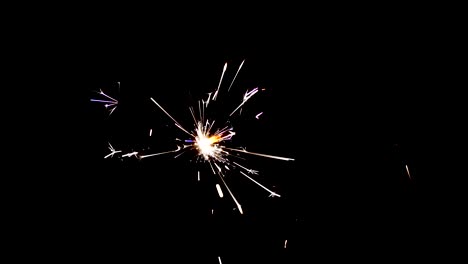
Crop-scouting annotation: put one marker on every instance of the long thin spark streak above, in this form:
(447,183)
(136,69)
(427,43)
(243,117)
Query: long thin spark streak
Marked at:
(160,153)
(235,76)
(247,96)
(177,123)
(247,169)
(220,80)
(407,171)
(232,195)
(260,154)
(103,101)
(113,99)
(258,115)
(151,132)
(271,193)
(219,259)
(285,243)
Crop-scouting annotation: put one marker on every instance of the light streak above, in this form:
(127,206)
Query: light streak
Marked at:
(272,194)
(260,154)
(407,171)
(159,153)
(258,115)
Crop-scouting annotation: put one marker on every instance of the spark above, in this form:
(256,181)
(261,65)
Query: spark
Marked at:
(247,169)
(110,104)
(407,171)
(235,76)
(128,155)
(160,153)
(151,132)
(232,196)
(285,243)
(220,192)
(219,259)
(258,115)
(220,80)
(247,96)
(198,175)
(260,154)
(272,194)
(113,151)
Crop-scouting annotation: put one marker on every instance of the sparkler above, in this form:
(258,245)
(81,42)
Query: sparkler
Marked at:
(209,142)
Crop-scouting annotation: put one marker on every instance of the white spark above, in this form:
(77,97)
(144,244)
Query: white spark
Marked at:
(260,154)
(219,259)
(198,175)
(272,194)
(247,169)
(113,151)
(407,171)
(160,153)
(232,196)
(112,104)
(151,132)
(285,243)
(220,192)
(247,96)
(258,115)
(219,84)
(177,123)
(235,76)
(135,154)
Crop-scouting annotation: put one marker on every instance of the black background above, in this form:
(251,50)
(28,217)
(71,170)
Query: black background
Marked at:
(352,103)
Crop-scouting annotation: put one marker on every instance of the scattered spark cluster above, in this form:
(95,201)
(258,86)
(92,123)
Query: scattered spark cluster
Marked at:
(206,139)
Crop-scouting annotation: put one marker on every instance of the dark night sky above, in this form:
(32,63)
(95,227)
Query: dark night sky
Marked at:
(346,101)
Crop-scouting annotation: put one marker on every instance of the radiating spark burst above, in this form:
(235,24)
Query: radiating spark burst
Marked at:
(208,142)
(109,103)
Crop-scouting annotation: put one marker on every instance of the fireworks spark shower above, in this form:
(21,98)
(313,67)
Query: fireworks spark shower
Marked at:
(210,142)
